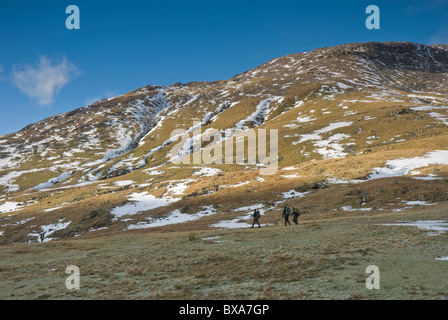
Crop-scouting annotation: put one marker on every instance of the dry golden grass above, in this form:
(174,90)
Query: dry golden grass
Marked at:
(315,260)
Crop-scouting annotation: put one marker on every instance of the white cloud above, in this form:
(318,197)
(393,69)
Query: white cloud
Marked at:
(43,81)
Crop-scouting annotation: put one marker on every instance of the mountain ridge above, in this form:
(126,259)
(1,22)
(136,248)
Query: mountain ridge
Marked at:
(341,114)
(340,50)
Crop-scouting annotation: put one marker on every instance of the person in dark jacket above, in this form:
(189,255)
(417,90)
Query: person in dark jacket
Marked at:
(256,216)
(286,214)
(295,215)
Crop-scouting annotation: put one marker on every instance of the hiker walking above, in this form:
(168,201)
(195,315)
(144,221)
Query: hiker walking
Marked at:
(286,214)
(42,236)
(256,216)
(295,215)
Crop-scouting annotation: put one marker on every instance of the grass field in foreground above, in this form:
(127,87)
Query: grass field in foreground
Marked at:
(321,259)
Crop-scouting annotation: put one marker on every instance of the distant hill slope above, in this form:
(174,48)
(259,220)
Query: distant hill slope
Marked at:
(342,113)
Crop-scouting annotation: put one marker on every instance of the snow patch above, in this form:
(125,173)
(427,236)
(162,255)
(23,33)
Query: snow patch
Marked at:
(53,181)
(155,172)
(123,183)
(207,172)
(434,226)
(10,206)
(293,194)
(141,202)
(239,184)
(442,258)
(175,217)
(50,229)
(349,208)
(404,166)
(290,176)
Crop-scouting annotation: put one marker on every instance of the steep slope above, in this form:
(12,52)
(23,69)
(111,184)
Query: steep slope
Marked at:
(342,115)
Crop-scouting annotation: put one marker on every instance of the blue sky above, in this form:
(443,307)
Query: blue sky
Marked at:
(46,69)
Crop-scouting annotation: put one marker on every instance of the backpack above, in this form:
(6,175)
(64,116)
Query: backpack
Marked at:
(257,214)
(288,211)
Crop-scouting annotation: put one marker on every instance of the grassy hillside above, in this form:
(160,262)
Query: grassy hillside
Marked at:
(319,259)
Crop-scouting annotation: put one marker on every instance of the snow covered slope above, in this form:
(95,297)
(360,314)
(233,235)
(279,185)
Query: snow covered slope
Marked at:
(344,115)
